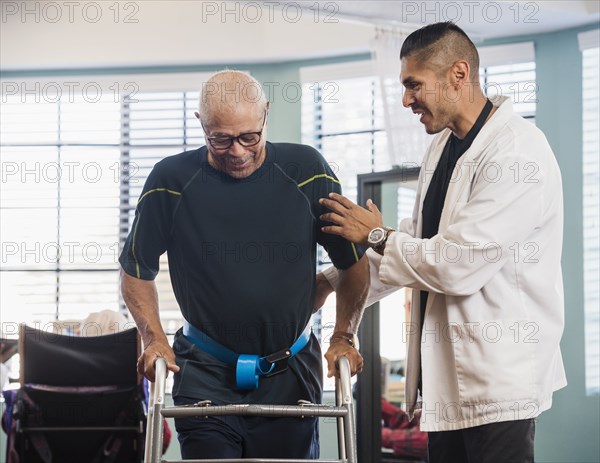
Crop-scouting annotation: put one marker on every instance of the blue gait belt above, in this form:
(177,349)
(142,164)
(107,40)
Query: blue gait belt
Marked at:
(248,367)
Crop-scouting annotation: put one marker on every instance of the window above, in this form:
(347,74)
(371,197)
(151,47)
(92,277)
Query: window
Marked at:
(516,81)
(589,44)
(73,166)
(59,207)
(509,70)
(342,117)
(393,320)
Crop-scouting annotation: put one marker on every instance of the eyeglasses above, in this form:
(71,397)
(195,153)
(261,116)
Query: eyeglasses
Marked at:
(222,142)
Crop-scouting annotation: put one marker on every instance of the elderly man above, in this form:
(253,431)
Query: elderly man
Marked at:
(239,219)
(483,250)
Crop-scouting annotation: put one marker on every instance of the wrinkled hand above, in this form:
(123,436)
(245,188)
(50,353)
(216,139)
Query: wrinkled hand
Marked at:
(343,349)
(154,350)
(351,221)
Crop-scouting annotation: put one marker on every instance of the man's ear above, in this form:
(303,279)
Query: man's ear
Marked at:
(459,73)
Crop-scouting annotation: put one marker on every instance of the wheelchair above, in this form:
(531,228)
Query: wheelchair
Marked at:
(80,399)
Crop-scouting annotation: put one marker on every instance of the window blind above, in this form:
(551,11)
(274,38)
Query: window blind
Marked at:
(591,216)
(73,168)
(59,207)
(516,81)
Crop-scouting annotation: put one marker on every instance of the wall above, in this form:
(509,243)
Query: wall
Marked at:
(52,35)
(560,116)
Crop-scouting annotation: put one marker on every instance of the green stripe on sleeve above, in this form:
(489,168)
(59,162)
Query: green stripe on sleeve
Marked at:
(329,177)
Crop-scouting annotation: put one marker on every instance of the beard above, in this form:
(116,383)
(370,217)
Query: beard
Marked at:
(434,122)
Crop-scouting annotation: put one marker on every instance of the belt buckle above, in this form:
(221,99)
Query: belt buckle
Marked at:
(279,360)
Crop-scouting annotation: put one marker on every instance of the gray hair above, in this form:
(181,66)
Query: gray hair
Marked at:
(226,90)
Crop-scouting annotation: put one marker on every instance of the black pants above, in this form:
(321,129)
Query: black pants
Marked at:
(504,442)
(247,437)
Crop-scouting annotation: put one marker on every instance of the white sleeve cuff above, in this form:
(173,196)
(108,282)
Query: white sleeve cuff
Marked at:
(333,276)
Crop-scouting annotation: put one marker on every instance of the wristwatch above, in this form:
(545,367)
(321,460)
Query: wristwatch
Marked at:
(378,236)
(350,338)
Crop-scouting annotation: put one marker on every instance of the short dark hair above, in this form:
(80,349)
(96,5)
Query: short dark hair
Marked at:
(443,41)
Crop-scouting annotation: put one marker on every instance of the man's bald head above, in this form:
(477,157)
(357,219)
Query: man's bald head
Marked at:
(226,92)
(438,46)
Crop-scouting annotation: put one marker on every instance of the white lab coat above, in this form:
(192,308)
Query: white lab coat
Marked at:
(495,313)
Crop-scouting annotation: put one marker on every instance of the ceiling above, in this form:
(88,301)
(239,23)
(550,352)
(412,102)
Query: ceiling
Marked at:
(482,19)
(46,35)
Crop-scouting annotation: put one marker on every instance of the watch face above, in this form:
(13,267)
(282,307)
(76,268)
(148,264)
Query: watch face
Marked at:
(376,235)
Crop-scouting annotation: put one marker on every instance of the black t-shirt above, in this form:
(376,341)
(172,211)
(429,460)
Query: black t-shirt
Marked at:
(436,193)
(242,261)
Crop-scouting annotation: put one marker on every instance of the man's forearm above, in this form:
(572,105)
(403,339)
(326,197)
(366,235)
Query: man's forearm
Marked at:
(141,298)
(322,291)
(351,295)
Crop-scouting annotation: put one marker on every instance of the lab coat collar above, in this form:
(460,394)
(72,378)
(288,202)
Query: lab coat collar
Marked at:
(470,158)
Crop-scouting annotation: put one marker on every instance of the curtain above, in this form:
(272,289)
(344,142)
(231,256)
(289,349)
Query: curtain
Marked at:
(406,136)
